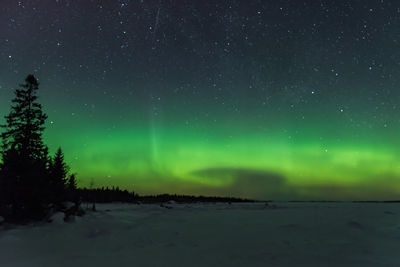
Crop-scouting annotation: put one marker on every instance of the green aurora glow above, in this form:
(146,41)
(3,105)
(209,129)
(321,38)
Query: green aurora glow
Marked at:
(154,158)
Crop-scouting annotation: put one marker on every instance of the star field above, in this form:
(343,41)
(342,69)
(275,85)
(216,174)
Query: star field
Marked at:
(259,99)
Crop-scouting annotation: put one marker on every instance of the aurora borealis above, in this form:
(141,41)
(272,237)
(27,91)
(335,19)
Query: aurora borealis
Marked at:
(258,99)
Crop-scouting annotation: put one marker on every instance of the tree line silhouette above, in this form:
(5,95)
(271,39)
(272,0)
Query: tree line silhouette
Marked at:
(31,181)
(34,184)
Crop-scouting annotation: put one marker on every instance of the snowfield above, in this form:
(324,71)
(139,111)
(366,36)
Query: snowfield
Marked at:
(251,234)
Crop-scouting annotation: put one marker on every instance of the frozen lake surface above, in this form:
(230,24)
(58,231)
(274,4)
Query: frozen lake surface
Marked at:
(293,234)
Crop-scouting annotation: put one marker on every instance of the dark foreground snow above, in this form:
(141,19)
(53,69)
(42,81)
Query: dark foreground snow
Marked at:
(293,234)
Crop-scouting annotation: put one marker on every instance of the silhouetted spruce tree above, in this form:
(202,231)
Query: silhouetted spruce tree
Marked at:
(58,177)
(72,193)
(23,172)
(72,183)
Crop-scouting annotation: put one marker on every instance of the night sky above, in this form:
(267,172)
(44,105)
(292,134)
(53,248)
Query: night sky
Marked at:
(258,99)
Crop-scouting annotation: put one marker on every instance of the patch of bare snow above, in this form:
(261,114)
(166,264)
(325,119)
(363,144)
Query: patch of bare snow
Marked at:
(248,234)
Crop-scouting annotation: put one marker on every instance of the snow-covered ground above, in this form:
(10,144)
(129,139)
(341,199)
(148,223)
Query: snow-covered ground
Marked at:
(293,234)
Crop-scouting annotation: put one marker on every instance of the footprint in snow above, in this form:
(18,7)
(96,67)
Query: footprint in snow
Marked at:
(95,233)
(390,213)
(355,225)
